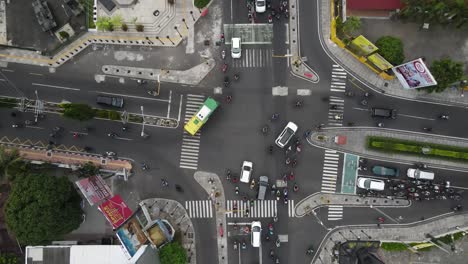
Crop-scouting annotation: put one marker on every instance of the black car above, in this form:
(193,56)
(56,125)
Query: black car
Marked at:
(110,101)
(383,112)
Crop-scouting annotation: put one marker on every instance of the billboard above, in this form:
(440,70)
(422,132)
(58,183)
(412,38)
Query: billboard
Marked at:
(116,211)
(414,74)
(131,236)
(94,189)
(363,46)
(380,62)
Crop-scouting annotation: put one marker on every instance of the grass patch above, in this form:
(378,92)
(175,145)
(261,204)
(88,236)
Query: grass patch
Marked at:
(134,118)
(108,114)
(8,102)
(458,236)
(393,145)
(88,6)
(393,246)
(447,239)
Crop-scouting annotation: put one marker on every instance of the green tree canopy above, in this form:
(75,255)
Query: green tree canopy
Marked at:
(391,49)
(8,158)
(104,23)
(351,25)
(42,208)
(88,169)
(79,112)
(173,253)
(445,72)
(453,12)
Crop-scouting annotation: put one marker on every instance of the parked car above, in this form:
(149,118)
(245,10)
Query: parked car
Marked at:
(260,6)
(385,171)
(383,112)
(286,135)
(370,184)
(256,233)
(420,174)
(262,187)
(246,171)
(110,101)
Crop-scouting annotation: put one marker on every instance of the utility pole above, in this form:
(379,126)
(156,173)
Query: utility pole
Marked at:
(159,86)
(124,117)
(143,123)
(38,107)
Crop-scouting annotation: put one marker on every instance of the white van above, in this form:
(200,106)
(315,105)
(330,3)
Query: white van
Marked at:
(420,174)
(236,50)
(262,187)
(286,135)
(256,233)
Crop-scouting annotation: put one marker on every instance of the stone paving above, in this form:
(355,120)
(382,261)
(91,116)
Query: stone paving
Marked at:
(211,183)
(371,79)
(177,216)
(356,144)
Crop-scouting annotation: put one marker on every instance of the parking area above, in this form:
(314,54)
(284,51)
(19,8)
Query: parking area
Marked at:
(23,29)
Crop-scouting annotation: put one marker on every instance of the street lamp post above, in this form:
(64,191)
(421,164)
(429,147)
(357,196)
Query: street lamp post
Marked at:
(175,27)
(191,13)
(185,23)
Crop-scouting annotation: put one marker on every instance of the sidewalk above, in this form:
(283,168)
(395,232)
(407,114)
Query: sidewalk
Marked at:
(414,232)
(356,144)
(214,188)
(174,213)
(370,78)
(316,200)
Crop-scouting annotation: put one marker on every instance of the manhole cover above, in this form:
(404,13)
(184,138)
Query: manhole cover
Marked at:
(156,13)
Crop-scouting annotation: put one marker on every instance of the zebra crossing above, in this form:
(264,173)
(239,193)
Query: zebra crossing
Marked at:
(330,171)
(291,212)
(254,58)
(338,81)
(260,208)
(199,209)
(335,212)
(335,112)
(191,144)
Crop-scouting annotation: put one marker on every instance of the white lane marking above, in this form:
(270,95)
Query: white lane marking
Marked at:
(180,107)
(127,139)
(8,70)
(417,117)
(35,127)
(38,74)
(132,96)
(55,86)
(361,109)
(169,104)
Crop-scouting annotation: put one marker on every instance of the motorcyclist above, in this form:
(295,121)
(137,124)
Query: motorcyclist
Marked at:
(226,81)
(223,54)
(274,116)
(237,189)
(296,188)
(228,98)
(443,116)
(236,76)
(270,149)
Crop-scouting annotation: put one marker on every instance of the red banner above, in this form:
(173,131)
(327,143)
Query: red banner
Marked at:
(116,211)
(94,189)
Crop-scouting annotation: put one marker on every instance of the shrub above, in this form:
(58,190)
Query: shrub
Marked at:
(124,27)
(173,253)
(201,3)
(391,49)
(79,112)
(139,27)
(393,246)
(114,115)
(64,35)
(104,23)
(445,72)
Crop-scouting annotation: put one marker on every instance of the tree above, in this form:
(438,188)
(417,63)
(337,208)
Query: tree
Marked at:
(173,253)
(42,208)
(391,49)
(351,25)
(445,72)
(8,158)
(436,11)
(79,112)
(104,23)
(201,3)
(64,34)
(88,169)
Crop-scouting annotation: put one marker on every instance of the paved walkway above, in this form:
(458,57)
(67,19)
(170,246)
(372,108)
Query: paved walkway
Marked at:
(370,78)
(211,183)
(414,232)
(177,216)
(356,144)
(316,200)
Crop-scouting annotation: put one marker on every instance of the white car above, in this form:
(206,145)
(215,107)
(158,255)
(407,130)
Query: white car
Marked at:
(236,50)
(260,6)
(286,135)
(110,154)
(420,174)
(246,171)
(370,184)
(256,233)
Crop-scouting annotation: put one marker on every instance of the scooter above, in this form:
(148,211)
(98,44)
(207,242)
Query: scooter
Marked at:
(270,19)
(228,98)
(236,76)
(223,54)
(226,82)
(445,117)
(278,195)
(225,67)
(235,245)
(270,229)
(278,242)
(252,184)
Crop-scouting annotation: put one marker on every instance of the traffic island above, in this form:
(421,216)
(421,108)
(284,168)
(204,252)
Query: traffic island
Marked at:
(309,204)
(387,144)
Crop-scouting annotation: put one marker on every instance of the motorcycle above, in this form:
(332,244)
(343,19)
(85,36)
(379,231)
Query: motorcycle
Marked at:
(252,184)
(236,76)
(153,92)
(278,195)
(427,129)
(380,124)
(310,251)
(222,38)
(307,133)
(237,190)
(265,129)
(274,117)
(445,117)
(270,229)
(270,19)
(228,174)
(235,245)
(226,82)
(295,188)
(223,54)
(286,13)
(270,149)
(228,98)
(244,246)
(225,67)
(288,161)
(278,242)
(112,135)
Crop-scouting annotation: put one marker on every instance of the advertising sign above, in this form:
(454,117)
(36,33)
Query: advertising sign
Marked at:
(380,62)
(116,211)
(363,46)
(414,74)
(131,236)
(94,189)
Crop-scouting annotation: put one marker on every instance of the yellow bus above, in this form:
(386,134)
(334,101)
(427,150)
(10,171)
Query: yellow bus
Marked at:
(200,118)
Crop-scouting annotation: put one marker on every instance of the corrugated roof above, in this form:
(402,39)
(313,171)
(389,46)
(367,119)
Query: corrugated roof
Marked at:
(373,4)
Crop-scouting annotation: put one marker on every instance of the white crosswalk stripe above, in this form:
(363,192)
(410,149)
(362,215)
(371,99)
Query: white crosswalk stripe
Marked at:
(335,212)
(330,171)
(199,209)
(260,208)
(338,111)
(338,81)
(191,144)
(254,58)
(291,212)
